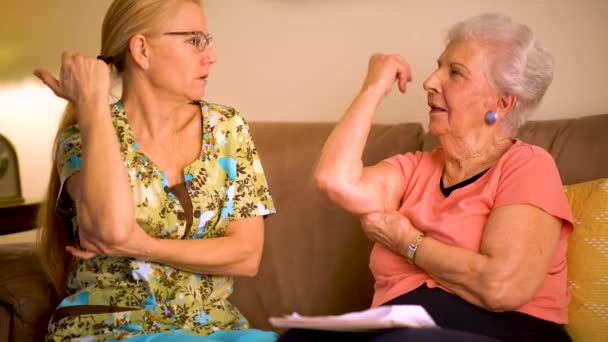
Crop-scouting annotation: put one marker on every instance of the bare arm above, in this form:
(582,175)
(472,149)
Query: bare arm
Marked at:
(238,253)
(340,173)
(512,262)
(103,197)
(104,206)
(510,267)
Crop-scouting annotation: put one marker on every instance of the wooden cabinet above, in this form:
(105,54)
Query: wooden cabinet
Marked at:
(18,217)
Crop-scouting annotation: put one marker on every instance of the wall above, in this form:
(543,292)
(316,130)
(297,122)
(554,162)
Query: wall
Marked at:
(295,60)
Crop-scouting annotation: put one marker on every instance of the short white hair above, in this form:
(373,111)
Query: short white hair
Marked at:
(522,67)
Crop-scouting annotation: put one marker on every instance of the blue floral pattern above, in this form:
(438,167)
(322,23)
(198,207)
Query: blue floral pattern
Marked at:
(226,183)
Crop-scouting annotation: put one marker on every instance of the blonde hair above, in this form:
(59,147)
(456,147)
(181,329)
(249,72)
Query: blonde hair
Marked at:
(123,19)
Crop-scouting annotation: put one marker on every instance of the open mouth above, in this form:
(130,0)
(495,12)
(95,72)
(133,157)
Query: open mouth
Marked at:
(436,104)
(436,108)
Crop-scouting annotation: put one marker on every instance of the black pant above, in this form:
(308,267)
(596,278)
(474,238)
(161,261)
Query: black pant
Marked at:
(459,320)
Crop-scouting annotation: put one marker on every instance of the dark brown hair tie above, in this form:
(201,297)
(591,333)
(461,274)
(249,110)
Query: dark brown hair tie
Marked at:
(107,60)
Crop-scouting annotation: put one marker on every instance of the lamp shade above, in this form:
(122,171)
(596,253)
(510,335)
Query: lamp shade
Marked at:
(10,184)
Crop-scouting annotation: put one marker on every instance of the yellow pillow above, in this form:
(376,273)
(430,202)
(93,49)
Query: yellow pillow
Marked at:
(588,261)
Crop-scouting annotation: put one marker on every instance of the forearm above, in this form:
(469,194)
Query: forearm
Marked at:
(457,269)
(341,157)
(480,279)
(219,256)
(105,202)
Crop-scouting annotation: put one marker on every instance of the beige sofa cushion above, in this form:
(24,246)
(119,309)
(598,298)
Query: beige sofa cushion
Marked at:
(579,146)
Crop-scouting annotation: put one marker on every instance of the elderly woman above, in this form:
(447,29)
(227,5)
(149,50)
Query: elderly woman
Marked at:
(474,231)
(158,197)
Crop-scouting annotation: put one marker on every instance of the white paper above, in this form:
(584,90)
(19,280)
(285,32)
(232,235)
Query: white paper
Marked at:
(382,317)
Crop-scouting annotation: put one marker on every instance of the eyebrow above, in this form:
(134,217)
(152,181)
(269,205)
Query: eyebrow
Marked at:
(184,33)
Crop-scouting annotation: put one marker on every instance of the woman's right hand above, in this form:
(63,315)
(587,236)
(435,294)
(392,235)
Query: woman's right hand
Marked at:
(81,79)
(383,70)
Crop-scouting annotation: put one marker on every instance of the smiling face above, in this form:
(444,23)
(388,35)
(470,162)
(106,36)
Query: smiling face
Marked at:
(459,90)
(176,64)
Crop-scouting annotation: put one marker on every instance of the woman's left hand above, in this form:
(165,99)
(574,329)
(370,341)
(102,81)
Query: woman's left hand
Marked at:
(388,228)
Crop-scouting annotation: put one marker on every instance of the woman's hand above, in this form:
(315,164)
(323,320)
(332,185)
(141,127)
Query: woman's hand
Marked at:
(391,229)
(383,71)
(135,245)
(81,79)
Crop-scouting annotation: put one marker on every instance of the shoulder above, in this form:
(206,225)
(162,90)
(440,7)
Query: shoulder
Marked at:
(69,131)
(526,168)
(423,161)
(411,158)
(68,139)
(525,150)
(528,174)
(221,115)
(526,156)
(419,161)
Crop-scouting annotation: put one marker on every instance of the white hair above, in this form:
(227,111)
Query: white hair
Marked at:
(522,67)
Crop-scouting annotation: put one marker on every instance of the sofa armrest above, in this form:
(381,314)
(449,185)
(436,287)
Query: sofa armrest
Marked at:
(26,294)
(5,323)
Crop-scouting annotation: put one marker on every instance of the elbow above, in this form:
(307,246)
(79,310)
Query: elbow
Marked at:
(106,233)
(113,238)
(331,180)
(503,286)
(250,268)
(330,187)
(251,264)
(323,181)
(250,271)
(107,225)
(107,242)
(494,297)
(503,295)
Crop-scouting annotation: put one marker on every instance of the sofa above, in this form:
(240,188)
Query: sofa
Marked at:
(315,259)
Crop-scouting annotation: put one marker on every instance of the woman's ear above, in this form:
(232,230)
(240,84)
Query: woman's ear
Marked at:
(140,51)
(506,103)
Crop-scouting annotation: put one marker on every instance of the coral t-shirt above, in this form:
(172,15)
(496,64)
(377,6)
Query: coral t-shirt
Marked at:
(525,174)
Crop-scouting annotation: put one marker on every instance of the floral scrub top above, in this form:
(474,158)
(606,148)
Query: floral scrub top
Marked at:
(113,298)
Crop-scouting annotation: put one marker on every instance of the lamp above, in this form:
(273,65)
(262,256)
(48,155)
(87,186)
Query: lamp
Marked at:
(29,116)
(10,184)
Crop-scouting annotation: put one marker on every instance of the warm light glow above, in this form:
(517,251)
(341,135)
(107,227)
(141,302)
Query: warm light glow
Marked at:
(29,116)
(8,54)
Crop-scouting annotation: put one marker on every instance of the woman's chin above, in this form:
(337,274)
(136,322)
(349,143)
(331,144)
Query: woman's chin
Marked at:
(436,127)
(196,96)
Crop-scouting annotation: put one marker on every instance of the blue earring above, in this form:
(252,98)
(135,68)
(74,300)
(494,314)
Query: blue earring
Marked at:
(491,117)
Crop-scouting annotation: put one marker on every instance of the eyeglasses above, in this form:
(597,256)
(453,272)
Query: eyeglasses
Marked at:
(200,40)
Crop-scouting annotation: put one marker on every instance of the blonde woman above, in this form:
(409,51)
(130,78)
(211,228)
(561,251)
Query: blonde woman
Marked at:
(156,200)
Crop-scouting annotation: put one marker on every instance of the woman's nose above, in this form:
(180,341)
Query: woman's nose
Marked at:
(431,84)
(209,55)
